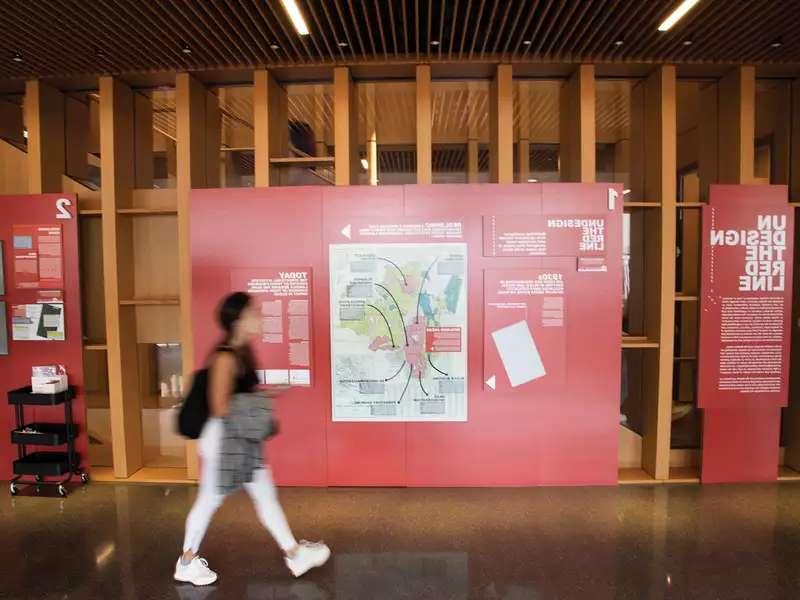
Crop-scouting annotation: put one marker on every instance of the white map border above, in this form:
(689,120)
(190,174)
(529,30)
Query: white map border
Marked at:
(463,417)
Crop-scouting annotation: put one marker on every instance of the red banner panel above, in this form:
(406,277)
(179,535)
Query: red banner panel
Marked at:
(746,298)
(745,320)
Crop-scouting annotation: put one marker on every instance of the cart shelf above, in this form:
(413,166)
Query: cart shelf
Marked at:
(26,397)
(43,434)
(44,464)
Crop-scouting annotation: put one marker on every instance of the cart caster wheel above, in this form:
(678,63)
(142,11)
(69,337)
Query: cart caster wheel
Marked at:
(62,491)
(12,489)
(84,478)
(38,478)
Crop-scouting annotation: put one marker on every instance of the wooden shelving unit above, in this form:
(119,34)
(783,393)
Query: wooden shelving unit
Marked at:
(638,342)
(148,211)
(166,301)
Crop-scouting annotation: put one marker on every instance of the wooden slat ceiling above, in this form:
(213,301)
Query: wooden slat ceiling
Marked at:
(79,37)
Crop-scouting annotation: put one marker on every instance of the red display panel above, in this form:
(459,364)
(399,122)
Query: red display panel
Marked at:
(745,313)
(746,298)
(563,436)
(544,235)
(43,266)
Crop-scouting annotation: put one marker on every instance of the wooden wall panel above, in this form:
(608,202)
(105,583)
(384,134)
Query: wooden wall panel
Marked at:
(13,169)
(143,141)
(76,134)
(270,126)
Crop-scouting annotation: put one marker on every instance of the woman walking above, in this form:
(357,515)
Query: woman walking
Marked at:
(230,447)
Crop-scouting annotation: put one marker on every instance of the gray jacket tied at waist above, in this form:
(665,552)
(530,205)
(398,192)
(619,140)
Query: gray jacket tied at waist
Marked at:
(248,423)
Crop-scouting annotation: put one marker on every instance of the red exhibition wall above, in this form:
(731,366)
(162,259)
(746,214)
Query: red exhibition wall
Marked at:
(542,255)
(745,324)
(27,215)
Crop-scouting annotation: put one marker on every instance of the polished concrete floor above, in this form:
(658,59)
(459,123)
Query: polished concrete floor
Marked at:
(120,541)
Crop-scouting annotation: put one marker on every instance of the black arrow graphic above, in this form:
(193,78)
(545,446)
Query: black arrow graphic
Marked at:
(434,366)
(406,387)
(402,320)
(403,275)
(385,320)
(424,391)
(396,374)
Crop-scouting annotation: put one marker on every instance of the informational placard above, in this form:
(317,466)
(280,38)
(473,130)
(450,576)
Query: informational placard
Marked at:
(399,331)
(524,330)
(40,322)
(38,257)
(746,300)
(544,235)
(283,297)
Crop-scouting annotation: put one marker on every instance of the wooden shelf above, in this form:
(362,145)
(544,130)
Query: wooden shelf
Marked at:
(684,475)
(147,211)
(684,358)
(635,341)
(690,204)
(167,301)
(98,345)
(788,474)
(633,476)
(686,298)
(90,212)
(303,161)
(641,204)
(795,204)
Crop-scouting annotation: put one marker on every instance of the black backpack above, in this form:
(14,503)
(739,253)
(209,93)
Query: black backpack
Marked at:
(194,411)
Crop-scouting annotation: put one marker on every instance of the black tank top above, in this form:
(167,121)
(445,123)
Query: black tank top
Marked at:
(246,377)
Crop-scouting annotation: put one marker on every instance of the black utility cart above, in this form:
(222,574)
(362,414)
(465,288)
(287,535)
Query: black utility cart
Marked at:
(37,465)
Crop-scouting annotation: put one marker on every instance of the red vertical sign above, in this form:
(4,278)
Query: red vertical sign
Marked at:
(745,320)
(283,296)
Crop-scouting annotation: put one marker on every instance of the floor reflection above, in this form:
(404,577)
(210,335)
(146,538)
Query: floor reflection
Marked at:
(121,541)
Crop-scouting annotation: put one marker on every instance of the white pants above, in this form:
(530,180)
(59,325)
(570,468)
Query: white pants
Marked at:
(261,490)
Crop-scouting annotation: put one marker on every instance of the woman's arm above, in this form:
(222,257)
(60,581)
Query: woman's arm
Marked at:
(221,382)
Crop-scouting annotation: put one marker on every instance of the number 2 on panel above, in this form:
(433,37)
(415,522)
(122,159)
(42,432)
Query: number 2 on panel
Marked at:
(61,208)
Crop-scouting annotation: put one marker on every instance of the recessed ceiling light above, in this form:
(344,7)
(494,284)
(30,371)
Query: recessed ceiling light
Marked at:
(25,133)
(776,44)
(17,57)
(342,44)
(295,16)
(99,53)
(533,180)
(527,42)
(687,42)
(434,42)
(677,14)
(625,192)
(619,42)
(186,49)
(274,46)
(364,164)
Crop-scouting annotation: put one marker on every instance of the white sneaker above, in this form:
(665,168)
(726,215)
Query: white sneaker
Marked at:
(309,555)
(196,572)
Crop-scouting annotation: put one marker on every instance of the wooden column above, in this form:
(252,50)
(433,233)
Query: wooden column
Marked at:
(270,126)
(345,117)
(524,132)
(473,135)
(44,118)
(424,125)
(659,186)
(708,138)
(76,137)
(501,125)
(792,413)
(192,161)
(116,158)
(213,139)
(371,132)
(143,141)
(321,130)
(577,125)
(737,99)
